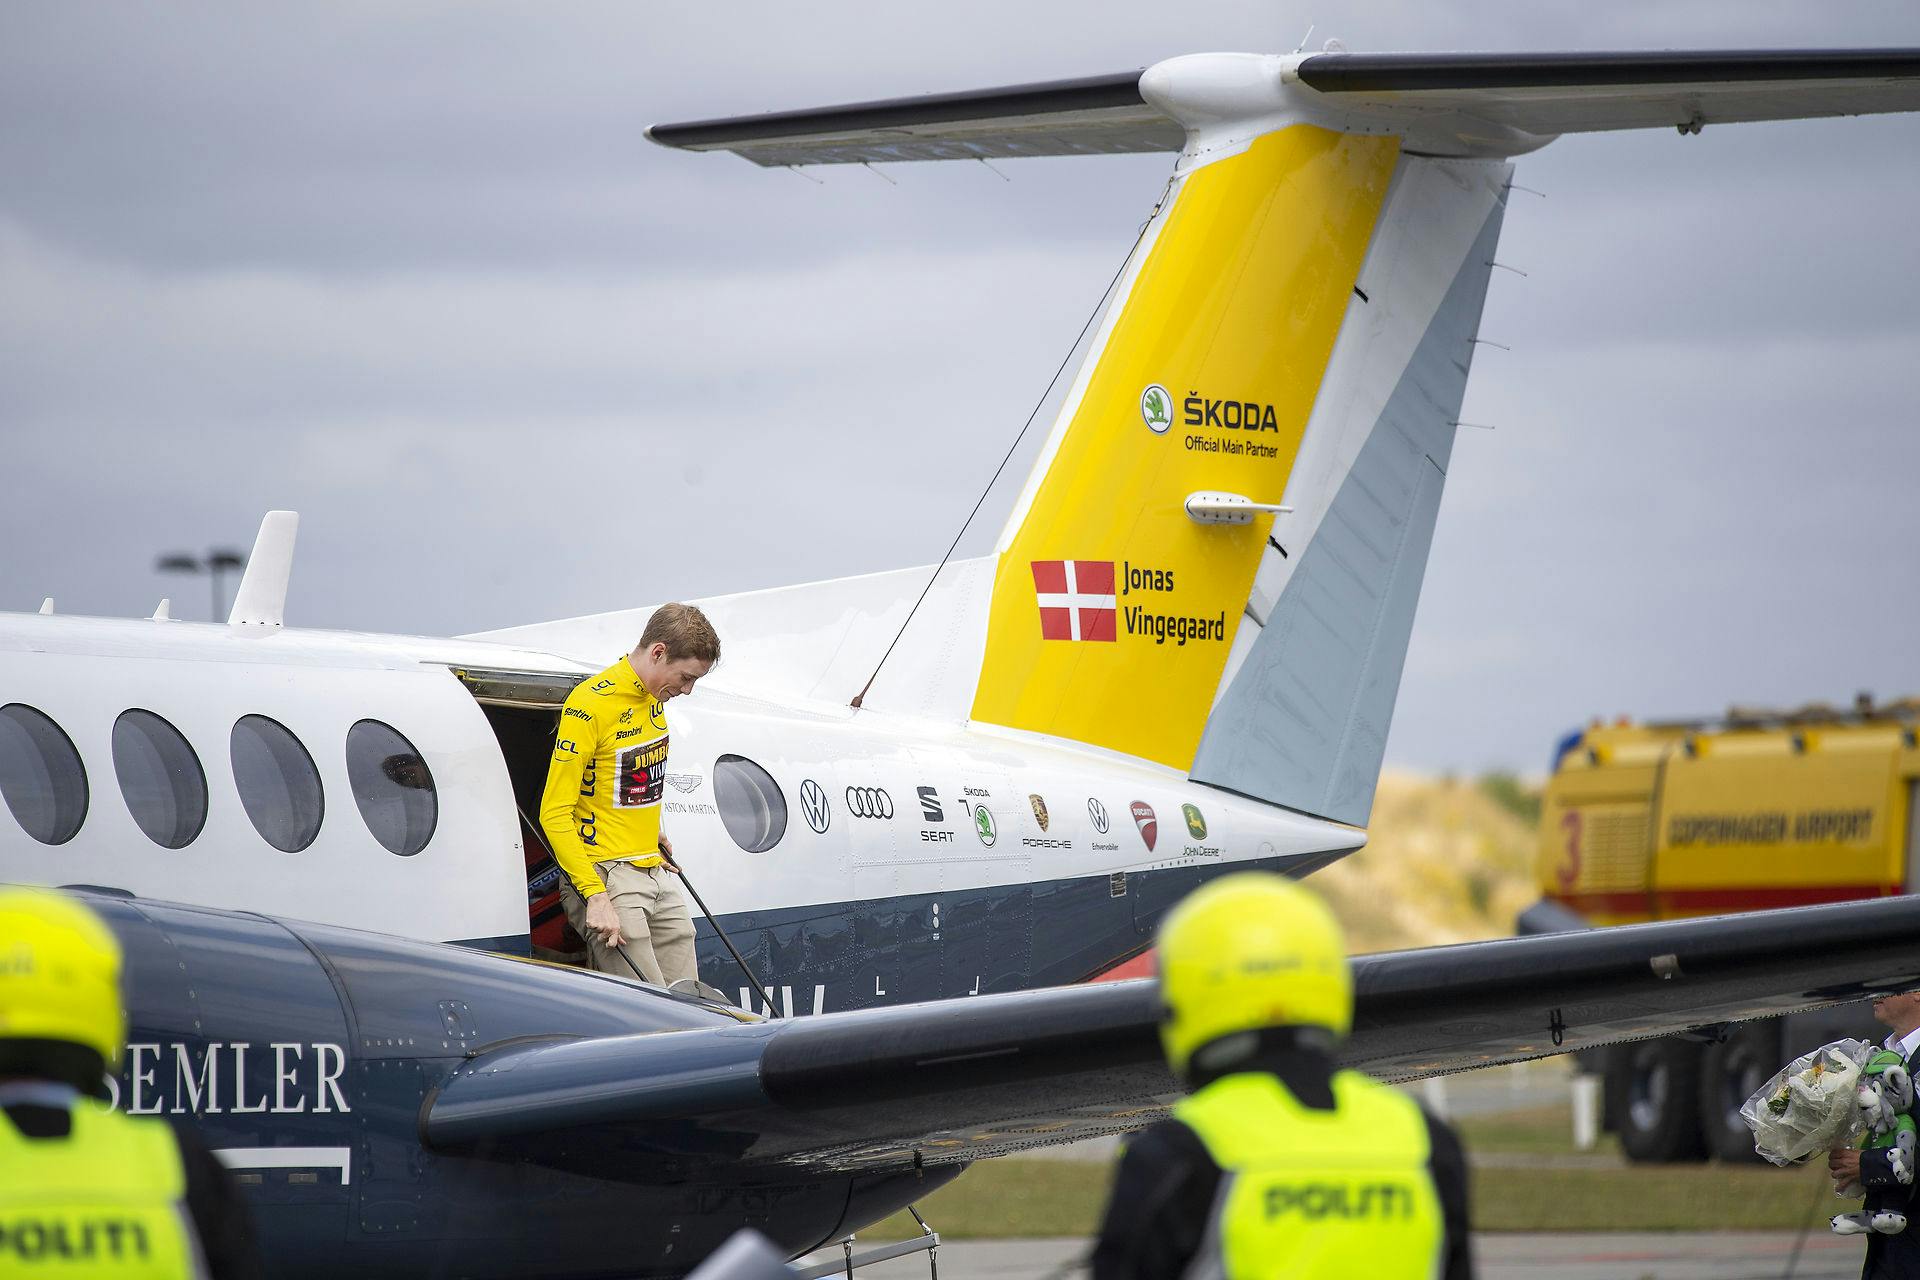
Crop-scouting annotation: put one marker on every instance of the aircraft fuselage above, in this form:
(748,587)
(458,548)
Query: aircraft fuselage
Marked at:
(855,858)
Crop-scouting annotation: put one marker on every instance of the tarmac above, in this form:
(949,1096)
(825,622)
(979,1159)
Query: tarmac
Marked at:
(1699,1255)
(1611,1256)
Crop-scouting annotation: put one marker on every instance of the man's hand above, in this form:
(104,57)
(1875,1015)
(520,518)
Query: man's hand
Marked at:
(666,854)
(604,920)
(1843,1164)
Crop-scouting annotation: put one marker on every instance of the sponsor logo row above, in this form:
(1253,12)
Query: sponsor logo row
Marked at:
(877,804)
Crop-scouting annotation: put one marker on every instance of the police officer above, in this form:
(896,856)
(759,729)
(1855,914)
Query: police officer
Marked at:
(85,1190)
(1277,1164)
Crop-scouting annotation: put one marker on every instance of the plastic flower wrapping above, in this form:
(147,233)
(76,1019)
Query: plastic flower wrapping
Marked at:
(1808,1108)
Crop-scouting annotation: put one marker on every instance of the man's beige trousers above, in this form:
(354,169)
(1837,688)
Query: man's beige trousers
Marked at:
(653,917)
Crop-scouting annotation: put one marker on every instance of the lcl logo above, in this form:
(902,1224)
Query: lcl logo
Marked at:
(869,802)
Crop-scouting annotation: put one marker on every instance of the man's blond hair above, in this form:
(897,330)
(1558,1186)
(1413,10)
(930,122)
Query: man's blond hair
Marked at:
(685,631)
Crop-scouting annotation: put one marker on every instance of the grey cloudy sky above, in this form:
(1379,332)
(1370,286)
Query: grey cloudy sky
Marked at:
(413,271)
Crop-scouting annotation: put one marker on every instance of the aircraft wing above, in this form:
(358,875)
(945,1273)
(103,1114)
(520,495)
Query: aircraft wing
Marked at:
(956,1080)
(1506,101)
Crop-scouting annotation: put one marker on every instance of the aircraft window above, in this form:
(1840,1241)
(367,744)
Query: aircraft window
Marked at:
(160,778)
(392,786)
(41,776)
(751,804)
(279,786)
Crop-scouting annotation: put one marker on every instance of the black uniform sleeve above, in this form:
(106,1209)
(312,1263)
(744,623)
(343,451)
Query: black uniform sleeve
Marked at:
(1158,1213)
(219,1212)
(1447,1163)
(1875,1171)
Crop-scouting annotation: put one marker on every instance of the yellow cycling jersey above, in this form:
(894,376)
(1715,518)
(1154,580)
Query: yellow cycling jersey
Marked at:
(602,801)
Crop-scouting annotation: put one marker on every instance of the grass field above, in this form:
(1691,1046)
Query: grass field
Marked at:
(1535,1181)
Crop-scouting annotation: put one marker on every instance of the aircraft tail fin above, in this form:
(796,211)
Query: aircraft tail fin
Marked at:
(1215,562)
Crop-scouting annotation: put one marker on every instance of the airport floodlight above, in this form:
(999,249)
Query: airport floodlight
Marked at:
(216,564)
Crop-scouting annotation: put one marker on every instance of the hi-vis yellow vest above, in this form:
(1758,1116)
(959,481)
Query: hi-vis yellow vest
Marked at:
(1308,1193)
(106,1200)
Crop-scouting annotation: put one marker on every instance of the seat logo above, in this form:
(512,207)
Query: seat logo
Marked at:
(1148,824)
(1156,408)
(813,804)
(930,810)
(1097,815)
(869,802)
(1039,804)
(1196,822)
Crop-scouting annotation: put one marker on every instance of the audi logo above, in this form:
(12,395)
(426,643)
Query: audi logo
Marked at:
(869,802)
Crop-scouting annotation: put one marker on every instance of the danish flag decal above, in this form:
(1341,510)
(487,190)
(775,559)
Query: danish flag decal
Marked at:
(1076,599)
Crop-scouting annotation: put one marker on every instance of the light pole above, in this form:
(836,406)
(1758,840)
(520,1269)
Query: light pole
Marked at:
(214,564)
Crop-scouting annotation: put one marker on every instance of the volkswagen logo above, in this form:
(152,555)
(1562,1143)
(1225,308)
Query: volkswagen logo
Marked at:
(869,802)
(813,803)
(1097,814)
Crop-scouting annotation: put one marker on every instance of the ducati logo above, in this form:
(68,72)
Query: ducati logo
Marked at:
(1149,825)
(869,802)
(1196,823)
(1156,408)
(1039,804)
(813,804)
(1097,815)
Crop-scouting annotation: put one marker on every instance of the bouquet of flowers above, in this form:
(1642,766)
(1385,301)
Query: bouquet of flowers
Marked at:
(1808,1107)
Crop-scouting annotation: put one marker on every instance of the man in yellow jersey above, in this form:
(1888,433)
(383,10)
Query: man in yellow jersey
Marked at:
(85,1190)
(1277,1164)
(601,808)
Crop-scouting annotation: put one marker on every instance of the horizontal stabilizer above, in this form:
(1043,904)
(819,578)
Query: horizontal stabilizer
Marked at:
(1443,103)
(1095,115)
(952,1081)
(1552,93)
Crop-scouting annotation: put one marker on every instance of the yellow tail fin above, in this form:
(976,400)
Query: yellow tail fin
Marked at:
(1114,610)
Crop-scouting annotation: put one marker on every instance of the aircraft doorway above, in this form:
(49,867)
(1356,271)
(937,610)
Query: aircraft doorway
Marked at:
(523,709)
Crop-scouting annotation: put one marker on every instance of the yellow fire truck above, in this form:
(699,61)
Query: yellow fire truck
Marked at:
(1760,809)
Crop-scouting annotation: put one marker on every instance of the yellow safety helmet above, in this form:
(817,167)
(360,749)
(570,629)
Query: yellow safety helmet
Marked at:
(59,973)
(1246,951)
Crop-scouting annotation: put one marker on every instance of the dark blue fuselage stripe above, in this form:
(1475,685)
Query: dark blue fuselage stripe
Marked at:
(852,955)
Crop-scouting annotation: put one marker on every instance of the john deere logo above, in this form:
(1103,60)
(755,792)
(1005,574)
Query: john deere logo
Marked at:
(1156,408)
(1196,825)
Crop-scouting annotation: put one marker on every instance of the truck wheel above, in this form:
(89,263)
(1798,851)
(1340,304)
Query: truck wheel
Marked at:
(1653,1100)
(1730,1072)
